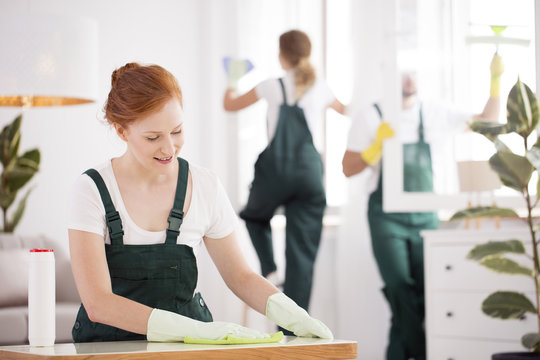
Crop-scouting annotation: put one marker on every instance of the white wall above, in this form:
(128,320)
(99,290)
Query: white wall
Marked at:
(71,139)
(189,38)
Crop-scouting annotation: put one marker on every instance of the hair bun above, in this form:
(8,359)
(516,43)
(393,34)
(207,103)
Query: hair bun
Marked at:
(121,70)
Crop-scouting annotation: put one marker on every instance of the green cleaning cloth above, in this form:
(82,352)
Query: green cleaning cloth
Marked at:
(234,340)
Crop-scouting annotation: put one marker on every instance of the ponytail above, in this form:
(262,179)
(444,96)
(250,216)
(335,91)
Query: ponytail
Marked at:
(295,47)
(304,77)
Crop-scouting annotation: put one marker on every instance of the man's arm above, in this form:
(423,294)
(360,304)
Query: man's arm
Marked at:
(491,110)
(353,163)
(493,104)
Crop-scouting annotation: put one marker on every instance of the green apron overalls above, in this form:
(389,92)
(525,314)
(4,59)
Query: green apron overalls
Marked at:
(288,172)
(161,276)
(398,249)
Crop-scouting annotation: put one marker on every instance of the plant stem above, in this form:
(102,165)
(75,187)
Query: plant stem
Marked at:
(535,254)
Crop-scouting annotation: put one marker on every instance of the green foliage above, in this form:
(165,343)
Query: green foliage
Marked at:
(507,305)
(522,109)
(531,341)
(17,171)
(505,266)
(496,248)
(515,171)
(483,211)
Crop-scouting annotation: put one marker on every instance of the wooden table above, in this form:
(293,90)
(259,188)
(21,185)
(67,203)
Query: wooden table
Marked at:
(289,348)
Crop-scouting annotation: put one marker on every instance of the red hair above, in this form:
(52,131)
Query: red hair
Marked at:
(138,91)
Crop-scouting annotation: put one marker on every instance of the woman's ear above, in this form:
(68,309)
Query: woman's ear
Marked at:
(121,131)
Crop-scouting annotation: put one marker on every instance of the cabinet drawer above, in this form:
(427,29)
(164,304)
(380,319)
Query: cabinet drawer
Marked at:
(447,268)
(460,315)
(467,349)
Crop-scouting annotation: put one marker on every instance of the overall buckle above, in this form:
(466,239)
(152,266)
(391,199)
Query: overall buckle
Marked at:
(115,225)
(175,220)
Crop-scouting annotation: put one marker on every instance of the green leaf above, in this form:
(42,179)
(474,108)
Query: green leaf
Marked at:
(533,155)
(514,170)
(16,173)
(493,248)
(17,215)
(6,198)
(25,167)
(522,109)
(505,266)
(531,340)
(507,305)
(30,159)
(501,146)
(538,186)
(489,129)
(18,177)
(483,211)
(14,147)
(9,140)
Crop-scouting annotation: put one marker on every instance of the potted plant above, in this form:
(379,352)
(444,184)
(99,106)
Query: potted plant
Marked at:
(515,171)
(16,172)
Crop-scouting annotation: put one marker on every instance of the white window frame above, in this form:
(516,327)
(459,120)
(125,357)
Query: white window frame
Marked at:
(395,198)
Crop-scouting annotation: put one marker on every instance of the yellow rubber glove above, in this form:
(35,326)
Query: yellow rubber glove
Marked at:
(167,326)
(374,152)
(286,313)
(496,68)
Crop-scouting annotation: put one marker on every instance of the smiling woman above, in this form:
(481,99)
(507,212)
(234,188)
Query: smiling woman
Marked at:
(133,243)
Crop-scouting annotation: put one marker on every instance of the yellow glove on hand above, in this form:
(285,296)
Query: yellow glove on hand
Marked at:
(496,68)
(374,152)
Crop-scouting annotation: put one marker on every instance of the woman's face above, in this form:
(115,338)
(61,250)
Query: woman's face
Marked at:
(156,140)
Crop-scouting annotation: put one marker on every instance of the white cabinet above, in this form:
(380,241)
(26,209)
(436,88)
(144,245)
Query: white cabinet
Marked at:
(456,328)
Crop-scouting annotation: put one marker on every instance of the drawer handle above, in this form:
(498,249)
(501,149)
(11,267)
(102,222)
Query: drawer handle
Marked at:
(449,314)
(448,267)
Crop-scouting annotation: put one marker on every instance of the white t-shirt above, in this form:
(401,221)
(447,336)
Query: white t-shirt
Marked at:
(314,101)
(210,212)
(440,123)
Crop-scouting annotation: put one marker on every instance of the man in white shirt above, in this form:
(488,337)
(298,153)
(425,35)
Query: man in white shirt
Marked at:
(396,241)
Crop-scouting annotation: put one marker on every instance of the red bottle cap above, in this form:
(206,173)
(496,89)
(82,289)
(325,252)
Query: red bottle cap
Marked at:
(41,250)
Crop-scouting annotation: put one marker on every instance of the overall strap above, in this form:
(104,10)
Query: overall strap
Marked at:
(378,108)
(283,91)
(112,218)
(421,125)
(176,216)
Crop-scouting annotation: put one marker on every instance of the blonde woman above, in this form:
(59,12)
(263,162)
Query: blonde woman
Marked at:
(289,171)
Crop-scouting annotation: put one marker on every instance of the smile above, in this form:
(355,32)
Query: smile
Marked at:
(164,159)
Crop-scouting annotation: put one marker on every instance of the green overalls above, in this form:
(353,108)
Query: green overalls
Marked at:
(288,172)
(161,276)
(398,249)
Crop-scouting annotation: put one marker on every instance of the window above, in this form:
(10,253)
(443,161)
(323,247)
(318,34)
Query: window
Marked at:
(456,43)
(327,24)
